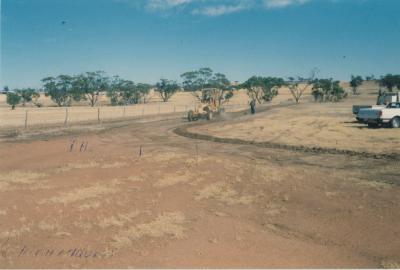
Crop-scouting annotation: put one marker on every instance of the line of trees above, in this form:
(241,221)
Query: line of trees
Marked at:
(24,96)
(205,84)
(88,86)
(389,81)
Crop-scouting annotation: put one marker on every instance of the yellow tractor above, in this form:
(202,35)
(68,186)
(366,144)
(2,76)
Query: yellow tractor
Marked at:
(207,108)
(201,112)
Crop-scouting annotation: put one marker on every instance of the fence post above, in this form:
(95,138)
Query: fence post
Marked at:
(98,114)
(26,119)
(66,117)
(124,112)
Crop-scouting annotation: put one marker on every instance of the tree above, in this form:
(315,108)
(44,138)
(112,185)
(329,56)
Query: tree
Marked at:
(27,94)
(355,82)
(327,90)
(60,89)
(197,80)
(89,85)
(114,91)
(141,92)
(13,99)
(296,89)
(128,94)
(166,89)
(123,92)
(390,81)
(190,81)
(262,88)
(370,77)
(215,88)
(6,89)
(219,90)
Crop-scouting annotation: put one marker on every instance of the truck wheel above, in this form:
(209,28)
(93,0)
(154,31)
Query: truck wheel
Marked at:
(395,123)
(190,116)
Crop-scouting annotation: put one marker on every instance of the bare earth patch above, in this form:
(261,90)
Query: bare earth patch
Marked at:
(223,193)
(81,194)
(8,180)
(167,224)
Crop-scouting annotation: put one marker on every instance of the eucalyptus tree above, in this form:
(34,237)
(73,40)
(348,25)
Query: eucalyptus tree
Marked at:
(166,89)
(355,82)
(141,92)
(89,85)
(59,89)
(390,81)
(262,88)
(114,90)
(13,99)
(124,92)
(325,90)
(214,87)
(297,88)
(27,94)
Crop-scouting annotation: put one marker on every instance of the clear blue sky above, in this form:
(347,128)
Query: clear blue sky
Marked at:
(145,40)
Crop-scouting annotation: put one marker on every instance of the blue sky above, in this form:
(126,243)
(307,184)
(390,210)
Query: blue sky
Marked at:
(145,40)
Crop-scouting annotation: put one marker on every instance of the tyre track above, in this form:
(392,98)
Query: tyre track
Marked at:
(182,131)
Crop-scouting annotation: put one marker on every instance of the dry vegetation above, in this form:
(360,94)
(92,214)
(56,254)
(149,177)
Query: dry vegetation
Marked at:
(313,125)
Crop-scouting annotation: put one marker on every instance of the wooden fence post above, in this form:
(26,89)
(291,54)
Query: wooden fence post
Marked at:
(124,112)
(66,117)
(26,119)
(98,114)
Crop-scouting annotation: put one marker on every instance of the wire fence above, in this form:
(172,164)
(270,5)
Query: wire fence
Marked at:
(45,116)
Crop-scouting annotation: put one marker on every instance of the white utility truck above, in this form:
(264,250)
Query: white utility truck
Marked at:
(390,115)
(383,100)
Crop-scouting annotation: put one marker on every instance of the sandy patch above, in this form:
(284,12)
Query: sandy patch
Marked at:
(15,232)
(167,224)
(8,180)
(118,220)
(114,165)
(390,264)
(223,193)
(167,180)
(72,166)
(81,194)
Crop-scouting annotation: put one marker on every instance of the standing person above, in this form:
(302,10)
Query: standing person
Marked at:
(253,106)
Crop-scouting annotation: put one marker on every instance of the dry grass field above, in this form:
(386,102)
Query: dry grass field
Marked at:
(313,125)
(136,194)
(80,112)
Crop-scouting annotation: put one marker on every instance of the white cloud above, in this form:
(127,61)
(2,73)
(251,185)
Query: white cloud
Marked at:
(282,3)
(221,9)
(166,4)
(208,7)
